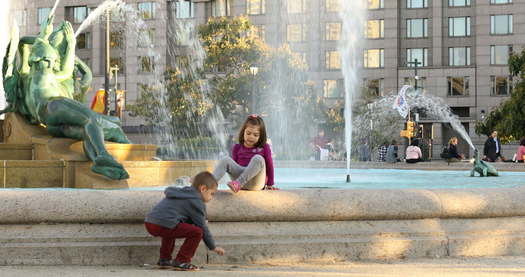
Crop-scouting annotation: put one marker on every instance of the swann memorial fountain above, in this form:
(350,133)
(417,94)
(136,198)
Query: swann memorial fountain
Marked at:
(46,219)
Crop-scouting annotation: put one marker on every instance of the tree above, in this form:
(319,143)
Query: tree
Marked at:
(509,117)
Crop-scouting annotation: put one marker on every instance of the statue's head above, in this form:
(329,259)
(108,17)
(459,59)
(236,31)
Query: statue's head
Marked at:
(43,54)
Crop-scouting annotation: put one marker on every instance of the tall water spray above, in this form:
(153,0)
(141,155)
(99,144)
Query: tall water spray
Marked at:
(353,15)
(182,43)
(6,20)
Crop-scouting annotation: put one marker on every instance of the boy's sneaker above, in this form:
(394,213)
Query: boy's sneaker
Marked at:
(165,264)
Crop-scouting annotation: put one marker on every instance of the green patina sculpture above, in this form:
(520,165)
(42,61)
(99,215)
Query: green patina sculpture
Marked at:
(40,85)
(483,168)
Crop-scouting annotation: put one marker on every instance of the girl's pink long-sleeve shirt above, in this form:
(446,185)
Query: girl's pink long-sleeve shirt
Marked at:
(243,155)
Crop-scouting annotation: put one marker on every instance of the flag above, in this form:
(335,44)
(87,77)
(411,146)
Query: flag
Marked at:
(400,104)
(98,103)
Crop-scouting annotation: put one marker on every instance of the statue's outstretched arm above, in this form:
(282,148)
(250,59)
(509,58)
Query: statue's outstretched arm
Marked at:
(47,27)
(68,61)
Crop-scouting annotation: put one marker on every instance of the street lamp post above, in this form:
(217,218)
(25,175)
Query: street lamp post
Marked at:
(416,77)
(116,69)
(253,71)
(107,69)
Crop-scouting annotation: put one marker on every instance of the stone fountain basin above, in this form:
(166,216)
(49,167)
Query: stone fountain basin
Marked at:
(89,227)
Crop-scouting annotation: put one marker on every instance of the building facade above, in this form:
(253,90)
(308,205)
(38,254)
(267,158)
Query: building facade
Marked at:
(461,46)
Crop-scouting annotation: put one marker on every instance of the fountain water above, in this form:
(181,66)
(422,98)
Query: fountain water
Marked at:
(387,119)
(188,61)
(353,15)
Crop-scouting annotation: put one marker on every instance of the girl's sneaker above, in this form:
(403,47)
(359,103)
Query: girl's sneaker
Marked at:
(234,186)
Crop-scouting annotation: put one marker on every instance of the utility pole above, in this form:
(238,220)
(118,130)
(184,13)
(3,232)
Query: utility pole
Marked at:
(107,69)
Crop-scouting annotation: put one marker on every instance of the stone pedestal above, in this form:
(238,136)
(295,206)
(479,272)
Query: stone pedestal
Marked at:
(60,162)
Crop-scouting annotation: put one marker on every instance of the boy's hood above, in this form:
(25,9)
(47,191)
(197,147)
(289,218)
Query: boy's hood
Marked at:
(188,192)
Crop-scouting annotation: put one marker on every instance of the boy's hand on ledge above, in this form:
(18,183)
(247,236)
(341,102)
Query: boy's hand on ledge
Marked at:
(219,251)
(266,187)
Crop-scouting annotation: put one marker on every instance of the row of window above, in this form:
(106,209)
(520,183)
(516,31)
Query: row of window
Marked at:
(146,64)
(418,4)
(458,56)
(457,26)
(145,38)
(416,28)
(78,14)
(456,86)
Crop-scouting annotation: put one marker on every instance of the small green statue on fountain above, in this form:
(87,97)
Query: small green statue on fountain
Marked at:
(483,168)
(40,85)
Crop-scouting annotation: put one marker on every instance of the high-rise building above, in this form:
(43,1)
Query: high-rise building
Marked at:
(461,46)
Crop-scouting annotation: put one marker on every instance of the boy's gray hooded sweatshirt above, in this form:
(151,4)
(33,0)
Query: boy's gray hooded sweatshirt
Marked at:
(182,205)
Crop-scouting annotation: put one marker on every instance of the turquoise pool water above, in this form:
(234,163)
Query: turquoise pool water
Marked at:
(391,179)
(332,178)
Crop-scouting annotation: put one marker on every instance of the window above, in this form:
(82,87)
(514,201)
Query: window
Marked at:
(458,3)
(147,10)
(184,9)
(296,6)
(416,4)
(83,41)
(259,31)
(333,5)
(375,29)
(499,54)
(500,85)
(117,15)
(296,32)
(116,39)
(302,57)
(333,31)
(496,2)
(459,26)
(501,24)
(374,58)
(21,17)
(220,8)
(417,28)
(458,86)
(333,60)
(113,62)
(79,14)
(333,88)
(376,4)
(255,7)
(421,82)
(146,38)
(459,56)
(43,13)
(146,64)
(374,86)
(421,54)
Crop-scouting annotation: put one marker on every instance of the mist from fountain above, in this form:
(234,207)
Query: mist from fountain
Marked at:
(6,19)
(189,60)
(388,120)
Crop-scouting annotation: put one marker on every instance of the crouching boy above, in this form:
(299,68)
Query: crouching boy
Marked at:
(182,214)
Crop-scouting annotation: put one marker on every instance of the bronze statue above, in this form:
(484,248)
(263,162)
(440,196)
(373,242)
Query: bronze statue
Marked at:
(41,87)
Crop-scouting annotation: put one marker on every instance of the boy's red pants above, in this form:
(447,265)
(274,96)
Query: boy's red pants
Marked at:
(192,233)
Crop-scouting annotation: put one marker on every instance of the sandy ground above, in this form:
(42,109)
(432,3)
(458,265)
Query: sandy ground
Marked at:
(475,267)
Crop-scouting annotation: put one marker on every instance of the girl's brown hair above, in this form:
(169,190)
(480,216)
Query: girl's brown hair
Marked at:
(254,120)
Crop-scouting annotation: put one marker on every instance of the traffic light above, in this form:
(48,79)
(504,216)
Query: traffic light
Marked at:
(410,128)
(409,132)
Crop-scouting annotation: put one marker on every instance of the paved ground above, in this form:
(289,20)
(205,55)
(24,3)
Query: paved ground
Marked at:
(481,267)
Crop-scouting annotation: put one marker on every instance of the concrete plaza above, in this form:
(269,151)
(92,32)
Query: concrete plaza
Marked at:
(456,267)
